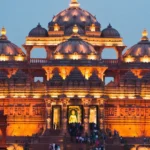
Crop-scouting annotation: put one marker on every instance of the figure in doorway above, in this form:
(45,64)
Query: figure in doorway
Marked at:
(73,117)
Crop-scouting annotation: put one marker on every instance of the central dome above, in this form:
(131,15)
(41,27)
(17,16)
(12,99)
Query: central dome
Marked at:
(74,15)
(75,45)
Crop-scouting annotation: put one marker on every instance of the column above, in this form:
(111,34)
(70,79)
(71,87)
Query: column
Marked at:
(48,113)
(86,119)
(119,50)
(64,116)
(117,76)
(28,51)
(49,52)
(100,50)
(101,114)
(86,102)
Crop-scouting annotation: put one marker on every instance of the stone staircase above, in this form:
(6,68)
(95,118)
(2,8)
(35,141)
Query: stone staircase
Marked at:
(56,136)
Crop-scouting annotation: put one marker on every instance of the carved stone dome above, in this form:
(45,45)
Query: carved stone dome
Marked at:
(140,49)
(39,31)
(7,48)
(110,32)
(74,15)
(75,45)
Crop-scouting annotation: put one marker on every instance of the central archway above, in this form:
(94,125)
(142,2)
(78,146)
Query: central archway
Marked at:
(109,53)
(38,53)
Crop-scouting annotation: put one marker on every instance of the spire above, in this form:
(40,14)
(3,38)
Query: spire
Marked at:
(144,35)
(74,3)
(109,26)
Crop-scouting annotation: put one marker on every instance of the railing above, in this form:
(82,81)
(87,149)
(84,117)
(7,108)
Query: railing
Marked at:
(110,61)
(38,60)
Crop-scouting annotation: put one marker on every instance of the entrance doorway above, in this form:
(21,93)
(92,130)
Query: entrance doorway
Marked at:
(93,115)
(56,117)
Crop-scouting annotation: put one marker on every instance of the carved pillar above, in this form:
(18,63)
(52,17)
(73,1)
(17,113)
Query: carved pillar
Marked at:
(64,114)
(117,76)
(119,50)
(49,72)
(100,50)
(101,113)
(86,102)
(48,113)
(28,51)
(49,52)
(101,71)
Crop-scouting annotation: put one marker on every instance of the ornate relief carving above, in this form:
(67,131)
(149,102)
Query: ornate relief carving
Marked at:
(86,101)
(49,72)
(128,111)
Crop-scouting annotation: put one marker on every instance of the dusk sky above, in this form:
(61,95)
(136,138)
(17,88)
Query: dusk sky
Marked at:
(129,17)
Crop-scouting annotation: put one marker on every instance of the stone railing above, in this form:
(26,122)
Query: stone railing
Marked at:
(110,61)
(38,60)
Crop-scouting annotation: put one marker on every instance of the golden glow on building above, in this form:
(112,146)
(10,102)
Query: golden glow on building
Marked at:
(58,56)
(145,59)
(19,58)
(56,27)
(75,56)
(75,29)
(3,31)
(4,57)
(93,28)
(129,59)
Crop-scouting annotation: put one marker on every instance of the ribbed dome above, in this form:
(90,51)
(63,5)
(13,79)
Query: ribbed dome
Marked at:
(75,45)
(74,15)
(39,31)
(7,48)
(110,32)
(140,49)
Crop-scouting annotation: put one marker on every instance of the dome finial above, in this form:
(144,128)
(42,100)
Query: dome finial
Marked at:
(75,29)
(3,31)
(3,34)
(74,3)
(144,35)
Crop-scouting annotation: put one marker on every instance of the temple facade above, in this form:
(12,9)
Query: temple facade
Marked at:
(73,89)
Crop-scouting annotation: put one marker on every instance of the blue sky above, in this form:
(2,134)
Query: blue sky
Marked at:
(129,17)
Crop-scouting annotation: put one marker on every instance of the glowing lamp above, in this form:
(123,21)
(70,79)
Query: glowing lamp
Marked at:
(4,57)
(58,56)
(75,29)
(93,28)
(19,58)
(56,27)
(129,59)
(92,57)
(74,56)
(145,59)
(83,19)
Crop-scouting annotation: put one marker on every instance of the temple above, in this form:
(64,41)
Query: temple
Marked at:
(74,88)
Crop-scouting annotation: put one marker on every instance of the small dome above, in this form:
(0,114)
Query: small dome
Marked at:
(39,31)
(7,48)
(74,15)
(75,45)
(140,49)
(110,32)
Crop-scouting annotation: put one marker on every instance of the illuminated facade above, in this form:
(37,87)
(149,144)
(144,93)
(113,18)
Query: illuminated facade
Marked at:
(73,89)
